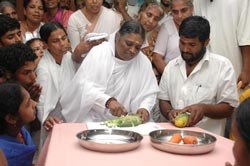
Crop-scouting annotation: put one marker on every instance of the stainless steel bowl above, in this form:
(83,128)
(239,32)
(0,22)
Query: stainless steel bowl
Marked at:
(160,138)
(109,140)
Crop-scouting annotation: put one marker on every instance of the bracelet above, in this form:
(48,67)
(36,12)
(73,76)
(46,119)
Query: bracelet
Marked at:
(109,101)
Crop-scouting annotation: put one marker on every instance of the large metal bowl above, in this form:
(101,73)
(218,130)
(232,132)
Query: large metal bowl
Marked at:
(109,140)
(160,138)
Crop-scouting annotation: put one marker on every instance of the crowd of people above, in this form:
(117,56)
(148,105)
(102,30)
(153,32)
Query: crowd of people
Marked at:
(94,60)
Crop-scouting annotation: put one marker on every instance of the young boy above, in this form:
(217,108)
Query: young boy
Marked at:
(10,32)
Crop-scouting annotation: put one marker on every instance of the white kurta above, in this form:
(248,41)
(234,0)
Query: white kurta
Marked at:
(101,76)
(167,42)
(53,78)
(30,35)
(108,22)
(211,82)
(229,21)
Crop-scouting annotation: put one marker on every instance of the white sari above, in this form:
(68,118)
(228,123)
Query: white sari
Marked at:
(53,78)
(108,22)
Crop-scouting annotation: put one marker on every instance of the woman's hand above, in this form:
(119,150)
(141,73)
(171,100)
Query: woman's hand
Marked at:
(83,48)
(172,114)
(116,109)
(143,114)
(196,112)
(50,122)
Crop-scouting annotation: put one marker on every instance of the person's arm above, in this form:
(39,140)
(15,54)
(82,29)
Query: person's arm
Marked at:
(159,62)
(83,48)
(165,108)
(244,75)
(216,111)
(161,48)
(43,80)
(121,7)
(146,106)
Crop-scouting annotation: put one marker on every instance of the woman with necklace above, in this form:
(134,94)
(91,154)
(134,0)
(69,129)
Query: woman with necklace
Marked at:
(16,110)
(33,11)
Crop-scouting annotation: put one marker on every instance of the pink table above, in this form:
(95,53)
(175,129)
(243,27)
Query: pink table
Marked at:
(62,149)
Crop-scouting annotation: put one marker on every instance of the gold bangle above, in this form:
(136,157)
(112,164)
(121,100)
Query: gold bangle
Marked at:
(109,101)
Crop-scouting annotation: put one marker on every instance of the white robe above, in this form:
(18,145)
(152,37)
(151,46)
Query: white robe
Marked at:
(101,76)
(229,21)
(108,22)
(53,78)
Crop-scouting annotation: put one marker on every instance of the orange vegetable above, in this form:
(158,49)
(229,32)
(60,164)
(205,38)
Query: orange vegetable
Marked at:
(176,138)
(189,140)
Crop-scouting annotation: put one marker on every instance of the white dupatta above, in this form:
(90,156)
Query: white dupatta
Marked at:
(54,79)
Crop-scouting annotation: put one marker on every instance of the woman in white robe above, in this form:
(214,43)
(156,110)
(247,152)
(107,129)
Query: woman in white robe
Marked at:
(114,79)
(93,17)
(54,72)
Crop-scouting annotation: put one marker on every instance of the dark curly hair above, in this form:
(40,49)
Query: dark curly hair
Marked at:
(14,56)
(242,119)
(7,24)
(10,100)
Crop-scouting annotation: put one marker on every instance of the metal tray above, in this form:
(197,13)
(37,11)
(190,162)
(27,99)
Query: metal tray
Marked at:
(160,138)
(109,140)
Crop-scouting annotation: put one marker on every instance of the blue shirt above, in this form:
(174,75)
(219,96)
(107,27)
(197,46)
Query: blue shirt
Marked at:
(16,153)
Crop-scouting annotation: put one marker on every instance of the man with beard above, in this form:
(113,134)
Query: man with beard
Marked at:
(198,82)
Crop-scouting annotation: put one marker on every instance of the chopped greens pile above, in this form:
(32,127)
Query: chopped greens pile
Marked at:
(125,121)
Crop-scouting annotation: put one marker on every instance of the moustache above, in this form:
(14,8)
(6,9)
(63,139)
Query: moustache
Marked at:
(188,53)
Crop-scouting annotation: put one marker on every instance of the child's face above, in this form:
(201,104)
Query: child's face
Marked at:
(37,47)
(27,109)
(58,43)
(26,74)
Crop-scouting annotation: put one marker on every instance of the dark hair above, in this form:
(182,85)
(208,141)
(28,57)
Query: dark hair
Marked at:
(195,26)
(14,56)
(132,26)
(48,28)
(26,3)
(242,119)
(7,24)
(29,42)
(10,100)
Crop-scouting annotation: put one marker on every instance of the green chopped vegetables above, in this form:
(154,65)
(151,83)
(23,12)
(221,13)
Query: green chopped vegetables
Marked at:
(125,121)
